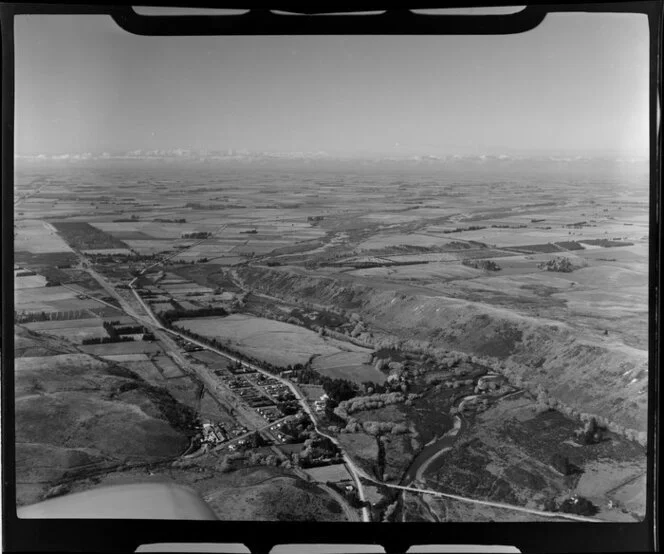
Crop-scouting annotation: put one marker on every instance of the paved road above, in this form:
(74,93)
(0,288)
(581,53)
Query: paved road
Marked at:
(486,502)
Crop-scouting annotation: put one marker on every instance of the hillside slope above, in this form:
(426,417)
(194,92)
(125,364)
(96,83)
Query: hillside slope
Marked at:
(576,366)
(77,414)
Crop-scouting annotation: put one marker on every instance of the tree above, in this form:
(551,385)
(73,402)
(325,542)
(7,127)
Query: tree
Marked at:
(579,505)
(256,440)
(561,463)
(591,433)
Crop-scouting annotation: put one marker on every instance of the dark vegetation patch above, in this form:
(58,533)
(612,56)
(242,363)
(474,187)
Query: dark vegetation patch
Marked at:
(570,245)
(132,235)
(463,471)
(606,243)
(534,248)
(430,413)
(45,259)
(552,430)
(391,354)
(178,415)
(489,337)
(83,236)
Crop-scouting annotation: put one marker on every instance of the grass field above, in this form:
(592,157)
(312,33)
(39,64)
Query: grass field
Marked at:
(334,473)
(348,365)
(363,449)
(169,369)
(276,342)
(29,282)
(74,330)
(37,237)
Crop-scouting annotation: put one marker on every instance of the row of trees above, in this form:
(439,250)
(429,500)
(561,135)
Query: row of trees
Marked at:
(169,316)
(372,402)
(31,317)
(106,340)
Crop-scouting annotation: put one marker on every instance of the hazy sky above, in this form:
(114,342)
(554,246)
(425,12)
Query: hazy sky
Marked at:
(576,83)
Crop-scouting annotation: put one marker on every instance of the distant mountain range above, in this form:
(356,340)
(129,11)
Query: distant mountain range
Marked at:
(246,156)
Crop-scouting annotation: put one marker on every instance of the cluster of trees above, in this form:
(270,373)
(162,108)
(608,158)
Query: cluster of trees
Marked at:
(351,496)
(378,428)
(318,451)
(339,390)
(578,505)
(299,430)
(112,258)
(196,235)
(129,329)
(460,229)
(371,402)
(562,464)
(591,433)
(190,262)
(369,387)
(559,263)
(30,317)
(255,440)
(228,462)
(487,265)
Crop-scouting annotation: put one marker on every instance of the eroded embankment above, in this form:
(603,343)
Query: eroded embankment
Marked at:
(585,373)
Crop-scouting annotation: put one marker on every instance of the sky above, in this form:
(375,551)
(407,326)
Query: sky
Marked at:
(578,83)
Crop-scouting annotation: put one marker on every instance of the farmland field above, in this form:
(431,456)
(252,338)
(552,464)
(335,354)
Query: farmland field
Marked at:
(73,330)
(278,343)
(353,366)
(394,285)
(121,348)
(86,237)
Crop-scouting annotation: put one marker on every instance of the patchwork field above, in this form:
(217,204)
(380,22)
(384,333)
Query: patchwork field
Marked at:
(538,268)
